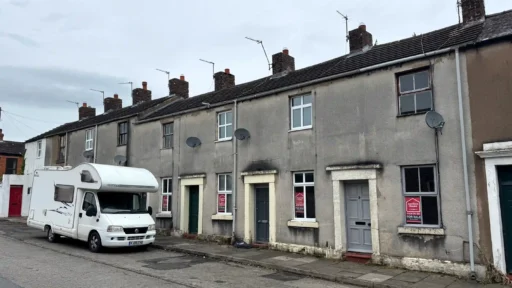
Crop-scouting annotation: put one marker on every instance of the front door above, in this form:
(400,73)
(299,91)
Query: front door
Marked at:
(86,223)
(262,225)
(357,201)
(15,200)
(193,209)
(505,184)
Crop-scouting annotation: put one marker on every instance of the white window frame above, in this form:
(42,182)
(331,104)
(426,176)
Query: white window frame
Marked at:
(419,194)
(89,140)
(167,193)
(304,185)
(301,108)
(225,191)
(225,126)
(165,135)
(39,148)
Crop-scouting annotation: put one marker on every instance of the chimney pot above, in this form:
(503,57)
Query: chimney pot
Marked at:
(226,71)
(84,105)
(116,96)
(141,94)
(144,85)
(1,135)
(182,77)
(282,61)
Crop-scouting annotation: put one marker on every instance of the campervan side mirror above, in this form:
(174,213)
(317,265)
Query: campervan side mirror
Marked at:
(91,211)
(150,210)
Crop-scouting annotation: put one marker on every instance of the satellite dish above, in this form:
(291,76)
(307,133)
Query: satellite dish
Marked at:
(434,120)
(193,142)
(242,134)
(119,160)
(88,154)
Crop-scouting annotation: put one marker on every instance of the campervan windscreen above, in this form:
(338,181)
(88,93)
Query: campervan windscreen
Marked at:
(121,202)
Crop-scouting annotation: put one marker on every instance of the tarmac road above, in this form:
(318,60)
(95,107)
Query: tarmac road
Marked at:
(27,260)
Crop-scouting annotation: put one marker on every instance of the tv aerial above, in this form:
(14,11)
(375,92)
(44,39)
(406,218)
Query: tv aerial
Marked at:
(242,134)
(435,121)
(346,27)
(119,160)
(264,51)
(193,142)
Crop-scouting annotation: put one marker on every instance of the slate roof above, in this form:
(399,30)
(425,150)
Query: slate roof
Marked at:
(12,148)
(99,119)
(496,25)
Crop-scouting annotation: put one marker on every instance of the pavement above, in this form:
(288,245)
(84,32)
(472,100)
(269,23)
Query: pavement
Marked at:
(190,263)
(361,275)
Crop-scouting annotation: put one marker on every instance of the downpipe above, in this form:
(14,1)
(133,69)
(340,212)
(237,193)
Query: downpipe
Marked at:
(469,212)
(234,178)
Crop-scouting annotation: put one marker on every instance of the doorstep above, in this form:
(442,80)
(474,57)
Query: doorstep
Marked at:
(345,272)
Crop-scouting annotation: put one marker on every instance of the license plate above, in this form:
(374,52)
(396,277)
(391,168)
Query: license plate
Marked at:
(132,243)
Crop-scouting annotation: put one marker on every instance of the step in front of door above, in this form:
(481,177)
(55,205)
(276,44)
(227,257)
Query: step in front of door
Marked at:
(358,257)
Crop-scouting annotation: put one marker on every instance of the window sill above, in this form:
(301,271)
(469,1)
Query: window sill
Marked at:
(301,129)
(414,114)
(223,140)
(164,215)
(121,145)
(222,217)
(303,224)
(167,148)
(421,230)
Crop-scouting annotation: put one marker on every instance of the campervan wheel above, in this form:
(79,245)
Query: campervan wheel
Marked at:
(94,242)
(52,237)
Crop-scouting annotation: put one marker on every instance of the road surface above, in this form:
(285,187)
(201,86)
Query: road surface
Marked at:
(28,261)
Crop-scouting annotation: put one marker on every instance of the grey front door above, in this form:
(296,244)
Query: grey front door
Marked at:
(357,201)
(261,213)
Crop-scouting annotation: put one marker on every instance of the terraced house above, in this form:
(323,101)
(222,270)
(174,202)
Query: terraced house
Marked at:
(333,159)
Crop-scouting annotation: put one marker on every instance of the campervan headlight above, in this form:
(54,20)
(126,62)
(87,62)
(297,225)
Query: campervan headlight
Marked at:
(151,227)
(113,228)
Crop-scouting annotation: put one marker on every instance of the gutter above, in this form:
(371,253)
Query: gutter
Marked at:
(308,83)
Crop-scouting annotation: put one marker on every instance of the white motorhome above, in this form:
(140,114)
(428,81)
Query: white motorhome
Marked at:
(104,205)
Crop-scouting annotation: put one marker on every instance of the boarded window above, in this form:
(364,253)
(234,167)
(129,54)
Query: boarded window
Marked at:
(64,193)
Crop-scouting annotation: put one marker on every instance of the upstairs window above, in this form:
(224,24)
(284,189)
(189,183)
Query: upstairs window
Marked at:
(225,125)
(62,149)
(168,132)
(39,148)
(421,195)
(89,139)
(415,93)
(301,112)
(122,137)
(11,166)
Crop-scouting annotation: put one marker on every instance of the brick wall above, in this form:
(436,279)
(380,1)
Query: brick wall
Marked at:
(3,164)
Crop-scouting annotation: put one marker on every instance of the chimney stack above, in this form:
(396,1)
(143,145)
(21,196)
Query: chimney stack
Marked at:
(112,103)
(472,10)
(360,38)
(1,135)
(282,61)
(178,87)
(86,112)
(141,94)
(224,80)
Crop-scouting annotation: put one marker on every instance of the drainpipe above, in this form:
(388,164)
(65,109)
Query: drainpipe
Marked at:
(234,177)
(95,143)
(469,212)
(128,136)
(66,150)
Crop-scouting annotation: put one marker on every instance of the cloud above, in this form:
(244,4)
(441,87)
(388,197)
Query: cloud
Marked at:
(50,87)
(20,39)
(19,3)
(53,17)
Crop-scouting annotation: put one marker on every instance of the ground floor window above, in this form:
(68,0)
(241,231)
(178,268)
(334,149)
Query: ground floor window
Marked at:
(421,195)
(224,194)
(166,194)
(304,195)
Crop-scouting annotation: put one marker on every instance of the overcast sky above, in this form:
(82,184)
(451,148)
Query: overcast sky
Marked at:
(53,51)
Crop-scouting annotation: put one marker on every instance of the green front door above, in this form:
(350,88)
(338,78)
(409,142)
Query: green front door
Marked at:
(505,183)
(193,209)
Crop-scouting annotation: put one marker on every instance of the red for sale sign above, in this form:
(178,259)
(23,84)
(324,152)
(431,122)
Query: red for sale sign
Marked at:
(165,200)
(413,210)
(222,203)
(299,203)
